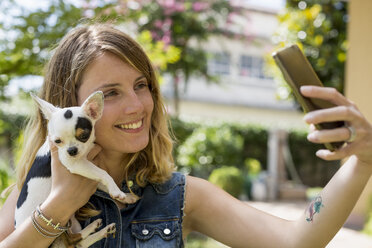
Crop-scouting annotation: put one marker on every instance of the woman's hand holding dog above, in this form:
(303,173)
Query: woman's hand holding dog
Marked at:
(356,126)
(69,191)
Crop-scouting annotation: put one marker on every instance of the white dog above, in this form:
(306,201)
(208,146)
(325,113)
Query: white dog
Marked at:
(72,130)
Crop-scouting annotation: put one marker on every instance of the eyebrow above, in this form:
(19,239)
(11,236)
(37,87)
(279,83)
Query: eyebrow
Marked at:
(116,84)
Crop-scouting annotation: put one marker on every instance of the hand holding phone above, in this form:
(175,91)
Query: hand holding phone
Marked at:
(297,71)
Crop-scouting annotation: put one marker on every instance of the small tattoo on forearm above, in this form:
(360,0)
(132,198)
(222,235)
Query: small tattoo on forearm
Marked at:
(314,208)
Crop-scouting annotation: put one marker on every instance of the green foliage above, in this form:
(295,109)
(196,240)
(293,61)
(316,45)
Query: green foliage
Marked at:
(228,178)
(312,170)
(253,166)
(319,28)
(28,38)
(208,147)
(368,226)
(6,179)
(202,147)
(198,240)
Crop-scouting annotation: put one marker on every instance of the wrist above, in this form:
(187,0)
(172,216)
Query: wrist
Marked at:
(363,167)
(59,212)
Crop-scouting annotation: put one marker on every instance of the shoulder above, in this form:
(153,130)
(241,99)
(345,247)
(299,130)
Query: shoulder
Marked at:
(198,191)
(176,180)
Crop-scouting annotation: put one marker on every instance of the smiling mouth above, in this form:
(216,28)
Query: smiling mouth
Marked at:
(131,126)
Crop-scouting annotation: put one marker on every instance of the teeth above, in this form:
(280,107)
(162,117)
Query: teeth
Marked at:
(132,125)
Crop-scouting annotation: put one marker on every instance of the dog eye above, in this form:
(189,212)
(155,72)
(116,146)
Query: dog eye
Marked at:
(84,136)
(58,141)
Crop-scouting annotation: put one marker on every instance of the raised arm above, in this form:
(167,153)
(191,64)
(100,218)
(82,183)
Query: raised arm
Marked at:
(326,215)
(213,212)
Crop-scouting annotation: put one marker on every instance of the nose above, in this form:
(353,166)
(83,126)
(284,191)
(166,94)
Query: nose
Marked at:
(72,150)
(133,104)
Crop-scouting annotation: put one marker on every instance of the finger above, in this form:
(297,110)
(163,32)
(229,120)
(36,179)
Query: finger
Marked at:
(339,113)
(53,148)
(329,135)
(325,93)
(341,153)
(94,152)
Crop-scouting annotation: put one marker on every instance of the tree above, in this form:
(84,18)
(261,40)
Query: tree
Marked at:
(319,28)
(29,37)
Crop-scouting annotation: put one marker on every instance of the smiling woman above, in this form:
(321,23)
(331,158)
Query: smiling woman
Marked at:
(134,147)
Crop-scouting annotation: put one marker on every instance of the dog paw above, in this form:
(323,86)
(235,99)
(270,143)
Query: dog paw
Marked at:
(130,198)
(119,196)
(110,229)
(98,224)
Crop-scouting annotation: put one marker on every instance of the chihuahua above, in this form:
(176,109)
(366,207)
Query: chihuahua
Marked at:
(72,131)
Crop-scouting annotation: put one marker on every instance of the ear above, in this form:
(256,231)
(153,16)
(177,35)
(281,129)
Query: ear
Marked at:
(93,105)
(46,108)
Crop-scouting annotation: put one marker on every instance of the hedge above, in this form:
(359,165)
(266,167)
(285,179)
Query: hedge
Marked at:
(202,147)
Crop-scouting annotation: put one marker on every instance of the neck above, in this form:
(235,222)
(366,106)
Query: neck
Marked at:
(114,164)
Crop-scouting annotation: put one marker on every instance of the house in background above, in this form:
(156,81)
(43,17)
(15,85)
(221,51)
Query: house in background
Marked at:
(245,93)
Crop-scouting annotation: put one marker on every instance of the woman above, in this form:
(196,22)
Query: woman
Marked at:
(134,147)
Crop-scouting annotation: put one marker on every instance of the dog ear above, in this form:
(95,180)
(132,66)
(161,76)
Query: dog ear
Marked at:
(93,105)
(46,108)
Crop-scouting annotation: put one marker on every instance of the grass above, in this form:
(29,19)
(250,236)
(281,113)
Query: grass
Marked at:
(196,240)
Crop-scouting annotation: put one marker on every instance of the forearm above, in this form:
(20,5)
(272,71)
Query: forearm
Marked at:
(27,234)
(323,219)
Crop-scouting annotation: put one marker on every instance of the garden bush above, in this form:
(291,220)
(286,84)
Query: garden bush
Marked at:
(208,148)
(202,147)
(368,225)
(228,178)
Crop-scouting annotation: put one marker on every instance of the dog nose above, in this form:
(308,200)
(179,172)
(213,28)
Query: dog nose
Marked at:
(72,150)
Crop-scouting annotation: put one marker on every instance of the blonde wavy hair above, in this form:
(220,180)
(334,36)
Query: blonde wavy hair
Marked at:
(63,76)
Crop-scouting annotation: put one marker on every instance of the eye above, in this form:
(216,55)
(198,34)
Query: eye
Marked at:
(110,93)
(141,85)
(85,136)
(58,141)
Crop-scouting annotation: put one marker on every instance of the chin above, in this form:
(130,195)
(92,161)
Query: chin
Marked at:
(133,148)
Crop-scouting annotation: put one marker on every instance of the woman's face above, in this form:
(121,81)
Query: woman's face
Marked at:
(126,120)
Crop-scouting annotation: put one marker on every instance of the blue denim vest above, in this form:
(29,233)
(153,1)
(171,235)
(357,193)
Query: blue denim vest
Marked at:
(153,221)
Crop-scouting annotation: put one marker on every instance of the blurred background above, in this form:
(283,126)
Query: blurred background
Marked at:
(235,120)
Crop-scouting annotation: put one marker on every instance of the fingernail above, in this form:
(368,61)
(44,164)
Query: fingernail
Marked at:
(319,153)
(307,118)
(311,136)
(305,87)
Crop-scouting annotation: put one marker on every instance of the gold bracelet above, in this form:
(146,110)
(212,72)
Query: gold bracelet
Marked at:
(41,230)
(50,223)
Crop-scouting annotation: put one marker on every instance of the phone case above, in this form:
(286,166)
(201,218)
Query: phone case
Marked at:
(297,71)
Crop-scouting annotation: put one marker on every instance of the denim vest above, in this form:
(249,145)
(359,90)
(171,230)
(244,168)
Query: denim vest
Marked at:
(155,220)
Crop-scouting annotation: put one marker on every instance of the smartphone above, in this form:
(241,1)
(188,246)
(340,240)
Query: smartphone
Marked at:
(297,71)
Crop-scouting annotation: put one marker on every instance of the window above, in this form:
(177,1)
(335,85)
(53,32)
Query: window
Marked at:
(219,64)
(251,66)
